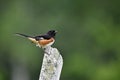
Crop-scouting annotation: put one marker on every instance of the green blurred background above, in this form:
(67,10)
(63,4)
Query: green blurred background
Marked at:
(88,38)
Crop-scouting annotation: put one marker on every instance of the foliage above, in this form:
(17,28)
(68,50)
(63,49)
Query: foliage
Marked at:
(88,37)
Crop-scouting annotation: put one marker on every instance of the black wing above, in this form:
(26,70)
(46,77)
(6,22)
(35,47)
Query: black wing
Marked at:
(42,37)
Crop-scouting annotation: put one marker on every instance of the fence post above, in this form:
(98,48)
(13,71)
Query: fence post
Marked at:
(51,65)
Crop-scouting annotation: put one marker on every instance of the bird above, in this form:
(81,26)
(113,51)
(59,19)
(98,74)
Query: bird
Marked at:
(43,40)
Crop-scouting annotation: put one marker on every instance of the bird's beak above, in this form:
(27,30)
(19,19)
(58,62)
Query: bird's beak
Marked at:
(33,40)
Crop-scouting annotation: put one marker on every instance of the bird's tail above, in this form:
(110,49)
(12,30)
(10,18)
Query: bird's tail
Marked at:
(29,37)
(19,34)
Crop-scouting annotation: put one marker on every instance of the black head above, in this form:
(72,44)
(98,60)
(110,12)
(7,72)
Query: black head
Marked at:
(52,33)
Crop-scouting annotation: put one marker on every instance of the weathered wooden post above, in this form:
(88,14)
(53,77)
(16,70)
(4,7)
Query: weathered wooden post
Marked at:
(52,64)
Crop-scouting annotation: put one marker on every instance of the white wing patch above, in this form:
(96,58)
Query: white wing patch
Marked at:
(41,38)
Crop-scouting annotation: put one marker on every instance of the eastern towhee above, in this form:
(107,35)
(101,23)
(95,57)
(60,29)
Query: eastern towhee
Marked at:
(42,40)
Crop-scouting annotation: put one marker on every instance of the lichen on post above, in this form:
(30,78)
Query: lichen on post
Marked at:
(52,64)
